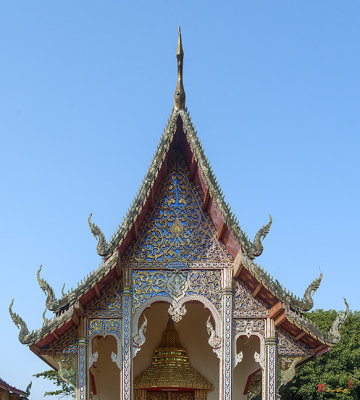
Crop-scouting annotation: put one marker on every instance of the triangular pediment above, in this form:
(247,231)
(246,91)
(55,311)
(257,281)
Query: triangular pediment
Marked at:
(108,305)
(245,305)
(288,346)
(177,231)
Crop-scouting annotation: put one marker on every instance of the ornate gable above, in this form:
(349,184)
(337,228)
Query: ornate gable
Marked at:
(177,231)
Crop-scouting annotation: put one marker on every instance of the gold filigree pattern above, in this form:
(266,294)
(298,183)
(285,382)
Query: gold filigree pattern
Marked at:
(104,327)
(173,284)
(108,305)
(177,230)
(66,346)
(245,305)
(288,346)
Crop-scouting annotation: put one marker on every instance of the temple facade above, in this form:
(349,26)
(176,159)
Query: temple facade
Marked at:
(178,308)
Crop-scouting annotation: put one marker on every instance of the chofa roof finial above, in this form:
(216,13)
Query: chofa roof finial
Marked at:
(179,98)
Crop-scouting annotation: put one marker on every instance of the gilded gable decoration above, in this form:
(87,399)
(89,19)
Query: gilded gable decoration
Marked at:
(68,344)
(177,230)
(147,284)
(109,304)
(245,305)
(288,346)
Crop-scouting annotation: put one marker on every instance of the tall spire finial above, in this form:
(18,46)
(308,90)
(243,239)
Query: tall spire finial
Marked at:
(179,98)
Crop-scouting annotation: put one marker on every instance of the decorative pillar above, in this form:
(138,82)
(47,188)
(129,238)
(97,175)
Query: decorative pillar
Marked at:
(226,360)
(270,356)
(82,390)
(126,376)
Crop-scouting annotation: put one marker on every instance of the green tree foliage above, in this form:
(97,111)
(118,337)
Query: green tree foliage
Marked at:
(65,389)
(334,368)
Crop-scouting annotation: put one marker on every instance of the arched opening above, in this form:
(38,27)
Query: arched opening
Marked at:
(193,337)
(104,375)
(247,375)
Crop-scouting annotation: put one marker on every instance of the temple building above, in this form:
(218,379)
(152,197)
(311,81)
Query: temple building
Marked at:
(178,308)
(8,392)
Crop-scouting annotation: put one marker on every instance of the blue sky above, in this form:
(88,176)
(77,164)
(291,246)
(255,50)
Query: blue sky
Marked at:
(85,91)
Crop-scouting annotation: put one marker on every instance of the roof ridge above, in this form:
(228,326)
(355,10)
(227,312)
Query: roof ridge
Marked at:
(333,336)
(296,303)
(104,248)
(251,249)
(64,306)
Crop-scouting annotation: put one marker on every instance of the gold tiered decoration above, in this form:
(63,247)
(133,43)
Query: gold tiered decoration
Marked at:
(170,375)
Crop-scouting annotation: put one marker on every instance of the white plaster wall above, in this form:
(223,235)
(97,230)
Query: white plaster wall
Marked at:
(193,337)
(247,366)
(106,373)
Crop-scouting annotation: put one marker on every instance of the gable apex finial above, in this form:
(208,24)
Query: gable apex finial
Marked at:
(179,98)
(179,46)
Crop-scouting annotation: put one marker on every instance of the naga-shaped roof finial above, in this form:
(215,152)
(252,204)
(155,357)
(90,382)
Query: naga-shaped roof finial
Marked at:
(102,247)
(27,390)
(179,98)
(51,302)
(20,324)
(255,248)
(340,319)
(308,302)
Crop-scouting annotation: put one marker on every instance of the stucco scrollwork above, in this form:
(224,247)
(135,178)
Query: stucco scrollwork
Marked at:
(139,337)
(177,311)
(260,358)
(92,358)
(251,327)
(248,327)
(214,339)
(117,357)
(238,357)
(176,285)
(104,327)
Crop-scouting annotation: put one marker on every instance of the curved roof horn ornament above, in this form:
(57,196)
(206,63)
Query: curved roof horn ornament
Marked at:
(179,97)
(20,324)
(255,248)
(339,321)
(102,247)
(51,301)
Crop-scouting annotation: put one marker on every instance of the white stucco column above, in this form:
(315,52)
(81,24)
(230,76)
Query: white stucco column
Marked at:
(226,360)
(270,358)
(126,375)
